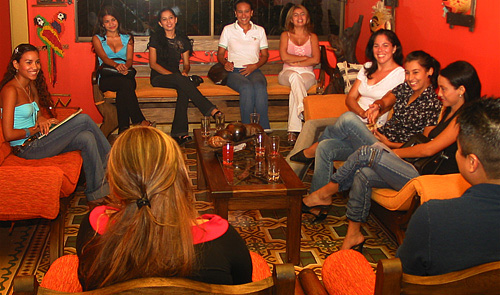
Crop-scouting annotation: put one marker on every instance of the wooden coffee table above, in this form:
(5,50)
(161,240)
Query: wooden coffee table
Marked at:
(253,194)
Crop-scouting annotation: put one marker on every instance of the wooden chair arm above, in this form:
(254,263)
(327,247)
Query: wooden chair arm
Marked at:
(25,285)
(388,279)
(310,283)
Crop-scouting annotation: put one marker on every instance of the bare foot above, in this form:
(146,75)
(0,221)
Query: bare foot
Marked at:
(323,196)
(353,237)
(310,152)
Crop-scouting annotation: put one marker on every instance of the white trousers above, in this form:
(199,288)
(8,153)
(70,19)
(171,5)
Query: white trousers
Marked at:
(299,80)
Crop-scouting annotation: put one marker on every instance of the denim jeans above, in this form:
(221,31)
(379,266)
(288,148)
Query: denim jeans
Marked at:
(337,143)
(185,91)
(370,167)
(253,94)
(79,133)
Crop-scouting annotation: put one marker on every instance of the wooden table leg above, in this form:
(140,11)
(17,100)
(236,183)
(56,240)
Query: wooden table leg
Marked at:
(221,206)
(294,221)
(200,177)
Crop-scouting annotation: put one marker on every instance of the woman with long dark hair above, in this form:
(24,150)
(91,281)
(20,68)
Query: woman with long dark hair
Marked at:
(27,109)
(115,47)
(373,166)
(166,48)
(151,228)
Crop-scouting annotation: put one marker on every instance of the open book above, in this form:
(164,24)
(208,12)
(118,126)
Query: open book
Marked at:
(54,127)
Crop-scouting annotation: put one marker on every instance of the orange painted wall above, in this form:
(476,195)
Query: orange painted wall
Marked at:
(5,48)
(420,25)
(74,70)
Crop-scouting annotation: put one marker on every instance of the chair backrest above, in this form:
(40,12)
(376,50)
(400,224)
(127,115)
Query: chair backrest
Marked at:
(481,279)
(281,283)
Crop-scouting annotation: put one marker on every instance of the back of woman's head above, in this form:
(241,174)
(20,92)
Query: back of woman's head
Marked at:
(393,38)
(426,61)
(44,97)
(151,234)
(462,73)
(289,16)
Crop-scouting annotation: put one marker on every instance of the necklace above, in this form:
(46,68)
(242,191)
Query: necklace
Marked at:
(24,89)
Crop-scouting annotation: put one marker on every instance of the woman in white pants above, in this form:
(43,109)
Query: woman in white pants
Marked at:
(299,50)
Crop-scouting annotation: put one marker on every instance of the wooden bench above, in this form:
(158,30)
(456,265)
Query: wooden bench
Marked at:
(158,104)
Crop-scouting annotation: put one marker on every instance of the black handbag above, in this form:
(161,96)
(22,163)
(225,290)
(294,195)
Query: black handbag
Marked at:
(197,80)
(218,74)
(106,70)
(425,165)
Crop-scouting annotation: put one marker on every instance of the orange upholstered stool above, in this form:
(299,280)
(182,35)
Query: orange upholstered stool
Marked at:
(347,272)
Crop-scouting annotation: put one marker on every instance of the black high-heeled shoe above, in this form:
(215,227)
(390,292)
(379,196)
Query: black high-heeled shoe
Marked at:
(300,157)
(323,211)
(359,247)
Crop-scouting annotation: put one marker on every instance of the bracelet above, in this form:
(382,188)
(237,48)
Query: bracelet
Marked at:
(28,133)
(379,105)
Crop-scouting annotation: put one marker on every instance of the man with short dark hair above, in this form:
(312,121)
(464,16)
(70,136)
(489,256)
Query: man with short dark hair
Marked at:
(455,234)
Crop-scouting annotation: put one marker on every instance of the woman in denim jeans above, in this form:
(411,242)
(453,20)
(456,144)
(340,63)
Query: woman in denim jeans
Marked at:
(246,44)
(23,90)
(376,166)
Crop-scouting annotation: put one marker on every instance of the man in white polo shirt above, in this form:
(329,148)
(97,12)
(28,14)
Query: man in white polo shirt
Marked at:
(246,45)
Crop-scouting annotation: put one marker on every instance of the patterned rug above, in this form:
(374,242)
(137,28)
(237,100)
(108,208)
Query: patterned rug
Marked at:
(263,230)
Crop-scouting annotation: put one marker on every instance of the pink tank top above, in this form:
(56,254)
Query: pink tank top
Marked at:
(304,50)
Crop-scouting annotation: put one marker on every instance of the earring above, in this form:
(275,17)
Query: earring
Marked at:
(460,95)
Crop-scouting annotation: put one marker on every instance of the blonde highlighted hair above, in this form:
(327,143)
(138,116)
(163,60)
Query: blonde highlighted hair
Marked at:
(288,21)
(145,241)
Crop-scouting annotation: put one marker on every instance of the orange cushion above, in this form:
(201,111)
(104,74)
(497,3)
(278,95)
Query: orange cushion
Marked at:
(207,88)
(68,163)
(324,106)
(347,272)
(427,187)
(26,192)
(260,268)
(63,275)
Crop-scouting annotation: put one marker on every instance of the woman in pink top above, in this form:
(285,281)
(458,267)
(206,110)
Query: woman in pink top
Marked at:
(299,50)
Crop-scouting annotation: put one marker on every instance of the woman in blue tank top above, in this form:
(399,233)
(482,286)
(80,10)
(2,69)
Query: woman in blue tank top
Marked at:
(114,47)
(23,94)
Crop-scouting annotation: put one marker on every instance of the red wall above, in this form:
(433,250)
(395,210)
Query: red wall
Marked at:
(5,48)
(420,25)
(75,68)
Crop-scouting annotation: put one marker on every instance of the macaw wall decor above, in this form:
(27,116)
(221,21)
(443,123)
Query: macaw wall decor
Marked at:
(460,13)
(49,33)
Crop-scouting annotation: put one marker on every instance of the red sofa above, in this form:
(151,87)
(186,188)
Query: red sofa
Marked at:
(33,188)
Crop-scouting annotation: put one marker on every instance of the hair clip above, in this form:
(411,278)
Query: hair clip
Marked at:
(16,50)
(143,202)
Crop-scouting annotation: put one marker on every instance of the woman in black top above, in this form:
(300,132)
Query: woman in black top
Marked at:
(374,166)
(151,228)
(166,48)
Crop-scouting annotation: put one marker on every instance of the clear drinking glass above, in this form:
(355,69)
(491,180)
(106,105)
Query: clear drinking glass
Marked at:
(320,88)
(273,168)
(254,118)
(260,147)
(220,121)
(205,126)
(274,145)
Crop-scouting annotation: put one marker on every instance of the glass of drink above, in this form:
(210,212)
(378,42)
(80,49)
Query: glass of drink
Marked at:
(260,147)
(260,167)
(227,153)
(273,168)
(254,118)
(220,121)
(274,145)
(320,88)
(205,126)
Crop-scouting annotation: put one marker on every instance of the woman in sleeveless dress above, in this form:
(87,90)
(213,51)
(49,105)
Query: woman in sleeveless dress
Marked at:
(114,47)
(299,50)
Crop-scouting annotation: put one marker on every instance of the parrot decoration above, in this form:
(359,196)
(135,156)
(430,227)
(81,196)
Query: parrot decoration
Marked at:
(49,33)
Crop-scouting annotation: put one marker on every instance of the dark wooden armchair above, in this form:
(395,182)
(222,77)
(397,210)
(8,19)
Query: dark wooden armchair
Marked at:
(281,283)
(390,280)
